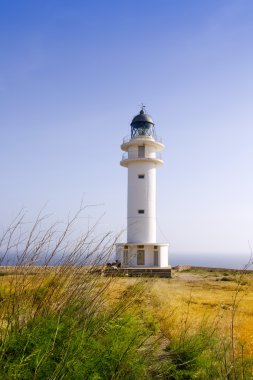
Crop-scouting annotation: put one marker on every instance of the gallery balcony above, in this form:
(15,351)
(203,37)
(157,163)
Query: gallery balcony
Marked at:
(130,157)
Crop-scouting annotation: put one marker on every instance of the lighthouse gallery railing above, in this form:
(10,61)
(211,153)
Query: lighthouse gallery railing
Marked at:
(134,155)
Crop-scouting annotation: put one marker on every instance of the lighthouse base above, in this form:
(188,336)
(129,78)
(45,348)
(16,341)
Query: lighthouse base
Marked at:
(141,255)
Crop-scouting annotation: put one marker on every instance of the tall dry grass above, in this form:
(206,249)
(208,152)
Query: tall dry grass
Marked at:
(49,269)
(55,318)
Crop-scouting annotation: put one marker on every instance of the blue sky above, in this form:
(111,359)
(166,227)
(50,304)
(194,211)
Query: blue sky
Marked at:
(72,76)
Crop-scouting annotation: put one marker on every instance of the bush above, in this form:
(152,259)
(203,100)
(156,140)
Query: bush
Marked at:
(190,356)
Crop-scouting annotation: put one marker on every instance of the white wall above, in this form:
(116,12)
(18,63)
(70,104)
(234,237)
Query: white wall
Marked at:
(149,255)
(141,196)
(164,256)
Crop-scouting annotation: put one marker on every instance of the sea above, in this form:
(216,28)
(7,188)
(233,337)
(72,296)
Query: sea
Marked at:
(213,260)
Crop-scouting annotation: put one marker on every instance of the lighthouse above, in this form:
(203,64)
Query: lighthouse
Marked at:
(142,156)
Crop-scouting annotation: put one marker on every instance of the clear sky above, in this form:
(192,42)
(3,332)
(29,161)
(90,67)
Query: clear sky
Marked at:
(72,76)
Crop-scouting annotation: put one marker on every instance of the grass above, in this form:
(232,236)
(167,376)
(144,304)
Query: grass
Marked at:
(63,328)
(205,298)
(195,314)
(68,322)
(77,325)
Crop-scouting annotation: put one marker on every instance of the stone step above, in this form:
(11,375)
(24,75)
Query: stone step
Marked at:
(138,272)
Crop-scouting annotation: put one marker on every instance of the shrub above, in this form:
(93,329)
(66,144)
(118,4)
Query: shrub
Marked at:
(190,356)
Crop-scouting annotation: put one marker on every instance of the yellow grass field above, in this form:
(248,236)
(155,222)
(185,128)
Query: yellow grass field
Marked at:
(194,300)
(222,300)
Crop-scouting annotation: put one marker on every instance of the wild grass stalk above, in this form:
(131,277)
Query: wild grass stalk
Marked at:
(56,320)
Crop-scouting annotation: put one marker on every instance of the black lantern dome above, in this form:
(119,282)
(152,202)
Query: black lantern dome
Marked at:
(142,125)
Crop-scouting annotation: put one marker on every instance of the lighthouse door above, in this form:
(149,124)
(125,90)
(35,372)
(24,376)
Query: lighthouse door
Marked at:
(140,255)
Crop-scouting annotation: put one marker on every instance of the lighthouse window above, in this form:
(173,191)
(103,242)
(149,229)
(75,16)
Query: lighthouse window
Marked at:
(140,211)
(141,175)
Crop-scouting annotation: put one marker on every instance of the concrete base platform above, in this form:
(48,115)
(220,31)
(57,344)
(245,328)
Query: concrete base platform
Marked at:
(138,272)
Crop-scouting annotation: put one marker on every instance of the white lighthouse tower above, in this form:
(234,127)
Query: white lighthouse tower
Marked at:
(142,157)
